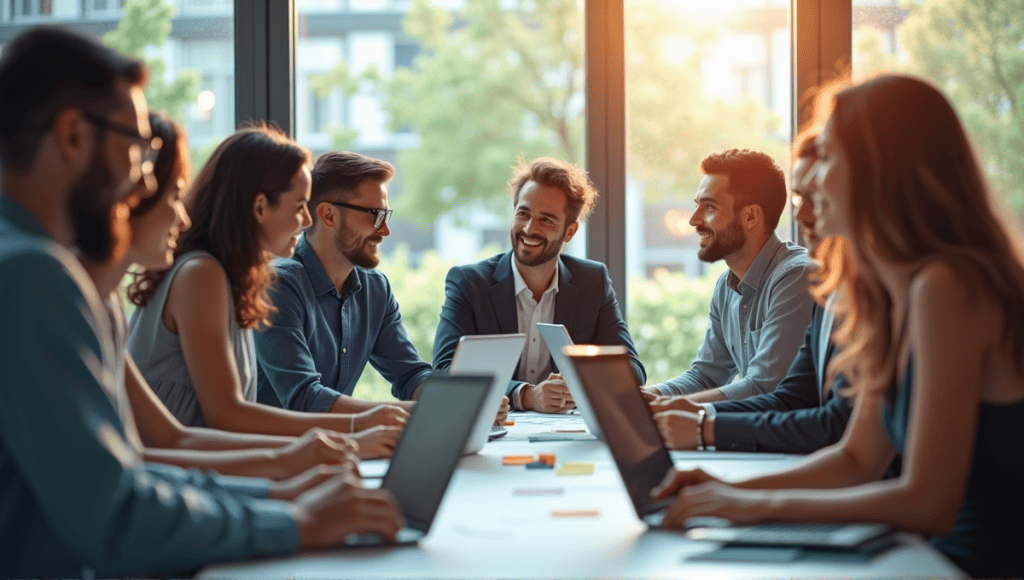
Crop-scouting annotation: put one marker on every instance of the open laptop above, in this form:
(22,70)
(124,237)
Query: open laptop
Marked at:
(556,337)
(613,390)
(429,451)
(492,354)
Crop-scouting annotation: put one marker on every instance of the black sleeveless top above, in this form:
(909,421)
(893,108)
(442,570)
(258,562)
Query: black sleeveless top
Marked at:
(987,539)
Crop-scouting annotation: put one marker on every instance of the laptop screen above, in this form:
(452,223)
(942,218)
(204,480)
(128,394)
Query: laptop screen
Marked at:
(629,430)
(432,442)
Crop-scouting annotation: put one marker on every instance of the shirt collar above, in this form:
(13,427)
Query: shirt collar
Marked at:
(759,267)
(520,284)
(318,277)
(12,210)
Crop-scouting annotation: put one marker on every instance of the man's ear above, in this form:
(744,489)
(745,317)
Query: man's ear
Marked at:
(326,213)
(570,232)
(752,216)
(74,137)
(260,207)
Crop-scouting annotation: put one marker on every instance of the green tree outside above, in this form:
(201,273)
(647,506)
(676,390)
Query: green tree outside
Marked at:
(148,23)
(974,51)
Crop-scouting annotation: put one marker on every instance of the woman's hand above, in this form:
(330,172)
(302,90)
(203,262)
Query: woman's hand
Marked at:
(377,442)
(292,488)
(318,447)
(385,415)
(719,499)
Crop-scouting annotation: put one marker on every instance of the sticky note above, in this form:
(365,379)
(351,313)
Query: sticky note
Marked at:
(509,423)
(517,459)
(570,430)
(575,468)
(548,458)
(575,513)
(539,491)
(539,465)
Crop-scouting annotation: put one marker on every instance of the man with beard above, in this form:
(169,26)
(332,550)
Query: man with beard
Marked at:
(535,282)
(78,501)
(804,413)
(335,312)
(760,306)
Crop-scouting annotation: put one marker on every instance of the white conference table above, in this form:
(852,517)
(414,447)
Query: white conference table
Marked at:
(484,529)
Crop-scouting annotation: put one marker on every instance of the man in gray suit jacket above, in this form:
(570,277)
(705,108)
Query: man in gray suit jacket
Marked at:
(534,283)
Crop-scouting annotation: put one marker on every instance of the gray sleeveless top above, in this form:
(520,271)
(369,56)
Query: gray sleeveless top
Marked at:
(157,352)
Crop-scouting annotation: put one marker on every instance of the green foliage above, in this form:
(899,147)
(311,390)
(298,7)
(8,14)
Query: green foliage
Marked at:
(667,318)
(500,80)
(668,315)
(974,51)
(148,23)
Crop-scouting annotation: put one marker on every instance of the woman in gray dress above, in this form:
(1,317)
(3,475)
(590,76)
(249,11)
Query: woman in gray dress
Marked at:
(192,335)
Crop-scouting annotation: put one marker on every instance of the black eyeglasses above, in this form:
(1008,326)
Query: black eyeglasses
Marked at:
(381,216)
(150,147)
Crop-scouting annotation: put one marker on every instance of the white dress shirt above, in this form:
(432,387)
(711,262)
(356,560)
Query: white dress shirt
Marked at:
(535,362)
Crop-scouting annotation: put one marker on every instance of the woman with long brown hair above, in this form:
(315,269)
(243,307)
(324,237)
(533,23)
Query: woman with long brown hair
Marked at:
(155,221)
(192,333)
(933,344)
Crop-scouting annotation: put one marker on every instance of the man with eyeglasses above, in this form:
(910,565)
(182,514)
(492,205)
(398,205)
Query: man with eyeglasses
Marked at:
(77,499)
(334,311)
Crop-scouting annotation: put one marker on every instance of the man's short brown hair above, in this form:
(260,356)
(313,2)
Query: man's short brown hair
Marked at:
(754,179)
(337,175)
(580,195)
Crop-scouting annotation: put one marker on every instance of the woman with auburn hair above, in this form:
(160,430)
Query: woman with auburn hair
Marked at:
(192,333)
(933,345)
(155,221)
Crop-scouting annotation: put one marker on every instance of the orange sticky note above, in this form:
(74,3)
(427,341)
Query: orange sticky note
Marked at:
(517,459)
(548,458)
(509,423)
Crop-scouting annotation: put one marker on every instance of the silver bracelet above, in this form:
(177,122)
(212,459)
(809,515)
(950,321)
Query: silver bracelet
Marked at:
(700,429)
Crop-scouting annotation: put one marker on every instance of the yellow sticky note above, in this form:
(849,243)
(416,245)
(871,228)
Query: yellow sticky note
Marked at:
(575,468)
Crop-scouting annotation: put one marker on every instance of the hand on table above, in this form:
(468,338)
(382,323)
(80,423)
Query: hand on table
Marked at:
(678,429)
(549,396)
(293,487)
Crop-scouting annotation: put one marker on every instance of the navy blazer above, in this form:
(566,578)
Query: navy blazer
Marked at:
(480,299)
(797,417)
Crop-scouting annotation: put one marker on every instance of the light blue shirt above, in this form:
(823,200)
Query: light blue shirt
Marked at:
(756,325)
(76,500)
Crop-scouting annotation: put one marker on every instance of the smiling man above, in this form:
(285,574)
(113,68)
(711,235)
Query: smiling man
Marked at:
(335,311)
(760,306)
(535,282)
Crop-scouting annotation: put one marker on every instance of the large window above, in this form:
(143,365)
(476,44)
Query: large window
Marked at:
(452,93)
(701,77)
(972,50)
(188,45)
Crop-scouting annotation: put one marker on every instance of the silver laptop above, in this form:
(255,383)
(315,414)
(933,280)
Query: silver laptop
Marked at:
(429,451)
(608,379)
(493,354)
(556,337)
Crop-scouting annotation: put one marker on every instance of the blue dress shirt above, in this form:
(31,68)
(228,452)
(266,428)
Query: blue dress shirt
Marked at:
(756,326)
(320,339)
(76,500)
